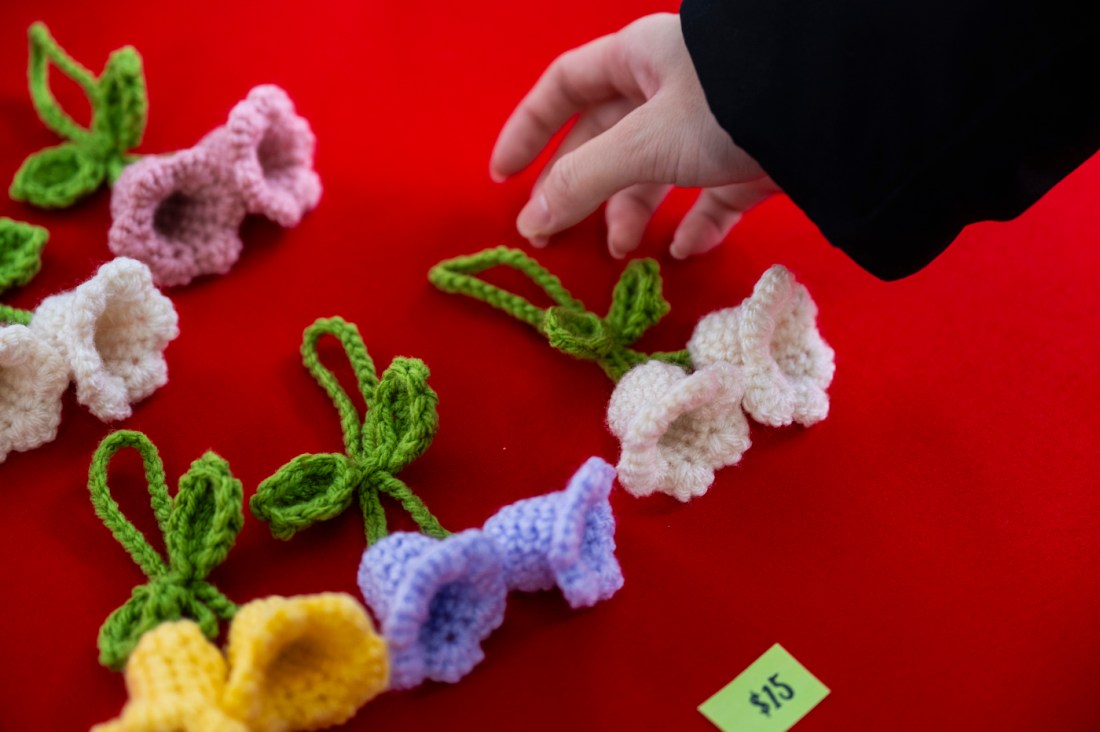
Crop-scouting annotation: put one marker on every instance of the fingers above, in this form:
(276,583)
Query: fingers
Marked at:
(577,79)
(595,121)
(628,212)
(714,213)
(583,179)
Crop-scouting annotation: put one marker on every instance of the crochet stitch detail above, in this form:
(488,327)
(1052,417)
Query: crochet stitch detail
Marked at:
(180,213)
(20,252)
(400,423)
(111,331)
(33,376)
(676,429)
(773,335)
(58,176)
(199,526)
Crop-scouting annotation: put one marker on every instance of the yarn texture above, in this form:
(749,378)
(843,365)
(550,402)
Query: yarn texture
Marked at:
(181,213)
(773,336)
(59,176)
(400,423)
(20,252)
(33,376)
(111,331)
(199,526)
(677,428)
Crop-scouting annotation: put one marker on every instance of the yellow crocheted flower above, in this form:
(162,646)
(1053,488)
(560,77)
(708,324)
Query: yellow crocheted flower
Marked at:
(175,678)
(302,663)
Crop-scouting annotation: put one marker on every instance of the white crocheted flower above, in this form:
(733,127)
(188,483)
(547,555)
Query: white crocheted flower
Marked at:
(676,429)
(773,336)
(111,331)
(32,379)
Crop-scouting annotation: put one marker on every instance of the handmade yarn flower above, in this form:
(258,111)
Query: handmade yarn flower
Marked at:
(180,213)
(111,331)
(400,423)
(20,252)
(773,336)
(298,663)
(677,428)
(58,176)
(32,379)
(438,599)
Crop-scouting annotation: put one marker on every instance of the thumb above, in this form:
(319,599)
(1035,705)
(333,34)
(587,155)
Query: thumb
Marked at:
(581,180)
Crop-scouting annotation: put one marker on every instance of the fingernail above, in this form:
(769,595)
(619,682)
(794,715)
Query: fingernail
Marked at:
(496,177)
(539,242)
(534,219)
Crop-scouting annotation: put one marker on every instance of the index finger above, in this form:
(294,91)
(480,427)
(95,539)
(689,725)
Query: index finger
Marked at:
(577,79)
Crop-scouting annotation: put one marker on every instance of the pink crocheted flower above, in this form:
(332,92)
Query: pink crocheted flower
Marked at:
(179,213)
(33,377)
(676,429)
(773,335)
(111,332)
(270,150)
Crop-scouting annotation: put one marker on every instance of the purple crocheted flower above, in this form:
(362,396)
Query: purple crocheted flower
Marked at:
(436,600)
(179,213)
(566,538)
(271,155)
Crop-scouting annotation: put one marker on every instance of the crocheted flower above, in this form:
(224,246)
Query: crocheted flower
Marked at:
(436,600)
(773,335)
(270,151)
(677,429)
(111,331)
(175,678)
(565,538)
(179,213)
(33,377)
(302,662)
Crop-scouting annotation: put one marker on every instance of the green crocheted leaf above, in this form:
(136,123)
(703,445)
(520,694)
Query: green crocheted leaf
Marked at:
(20,252)
(308,489)
(206,517)
(125,105)
(57,176)
(577,333)
(402,420)
(149,606)
(637,302)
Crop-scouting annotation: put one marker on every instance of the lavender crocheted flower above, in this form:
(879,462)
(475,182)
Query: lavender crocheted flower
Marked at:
(33,377)
(179,213)
(111,332)
(676,429)
(435,600)
(270,151)
(773,336)
(565,538)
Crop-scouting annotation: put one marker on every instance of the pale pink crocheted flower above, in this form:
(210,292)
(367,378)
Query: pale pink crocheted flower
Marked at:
(676,429)
(111,332)
(270,150)
(773,336)
(33,377)
(179,213)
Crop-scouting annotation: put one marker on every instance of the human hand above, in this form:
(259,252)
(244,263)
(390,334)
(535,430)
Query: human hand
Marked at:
(643,127)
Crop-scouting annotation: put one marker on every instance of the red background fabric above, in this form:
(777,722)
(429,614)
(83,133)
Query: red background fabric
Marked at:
(930,551)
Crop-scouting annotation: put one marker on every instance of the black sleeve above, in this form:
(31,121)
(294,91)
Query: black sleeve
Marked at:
(893,124)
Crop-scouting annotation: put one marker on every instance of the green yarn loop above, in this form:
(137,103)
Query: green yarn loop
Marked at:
(20,252)
(57,177)
(636,305)
(199,526)
(400,423)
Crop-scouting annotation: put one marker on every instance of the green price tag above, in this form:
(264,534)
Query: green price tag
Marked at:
(771,695)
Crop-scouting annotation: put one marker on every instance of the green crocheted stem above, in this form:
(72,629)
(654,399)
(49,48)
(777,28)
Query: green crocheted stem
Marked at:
(14,316)
(58,176)
(199,526)
(637,304)
(20,252)
(400,423)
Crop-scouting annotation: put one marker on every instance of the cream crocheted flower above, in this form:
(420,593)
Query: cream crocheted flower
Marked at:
(270,151)
(676,429)
(773,336)
(33,377)
(111,331)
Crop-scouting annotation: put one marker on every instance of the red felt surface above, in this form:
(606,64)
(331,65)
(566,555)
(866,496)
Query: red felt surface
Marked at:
(930,551)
